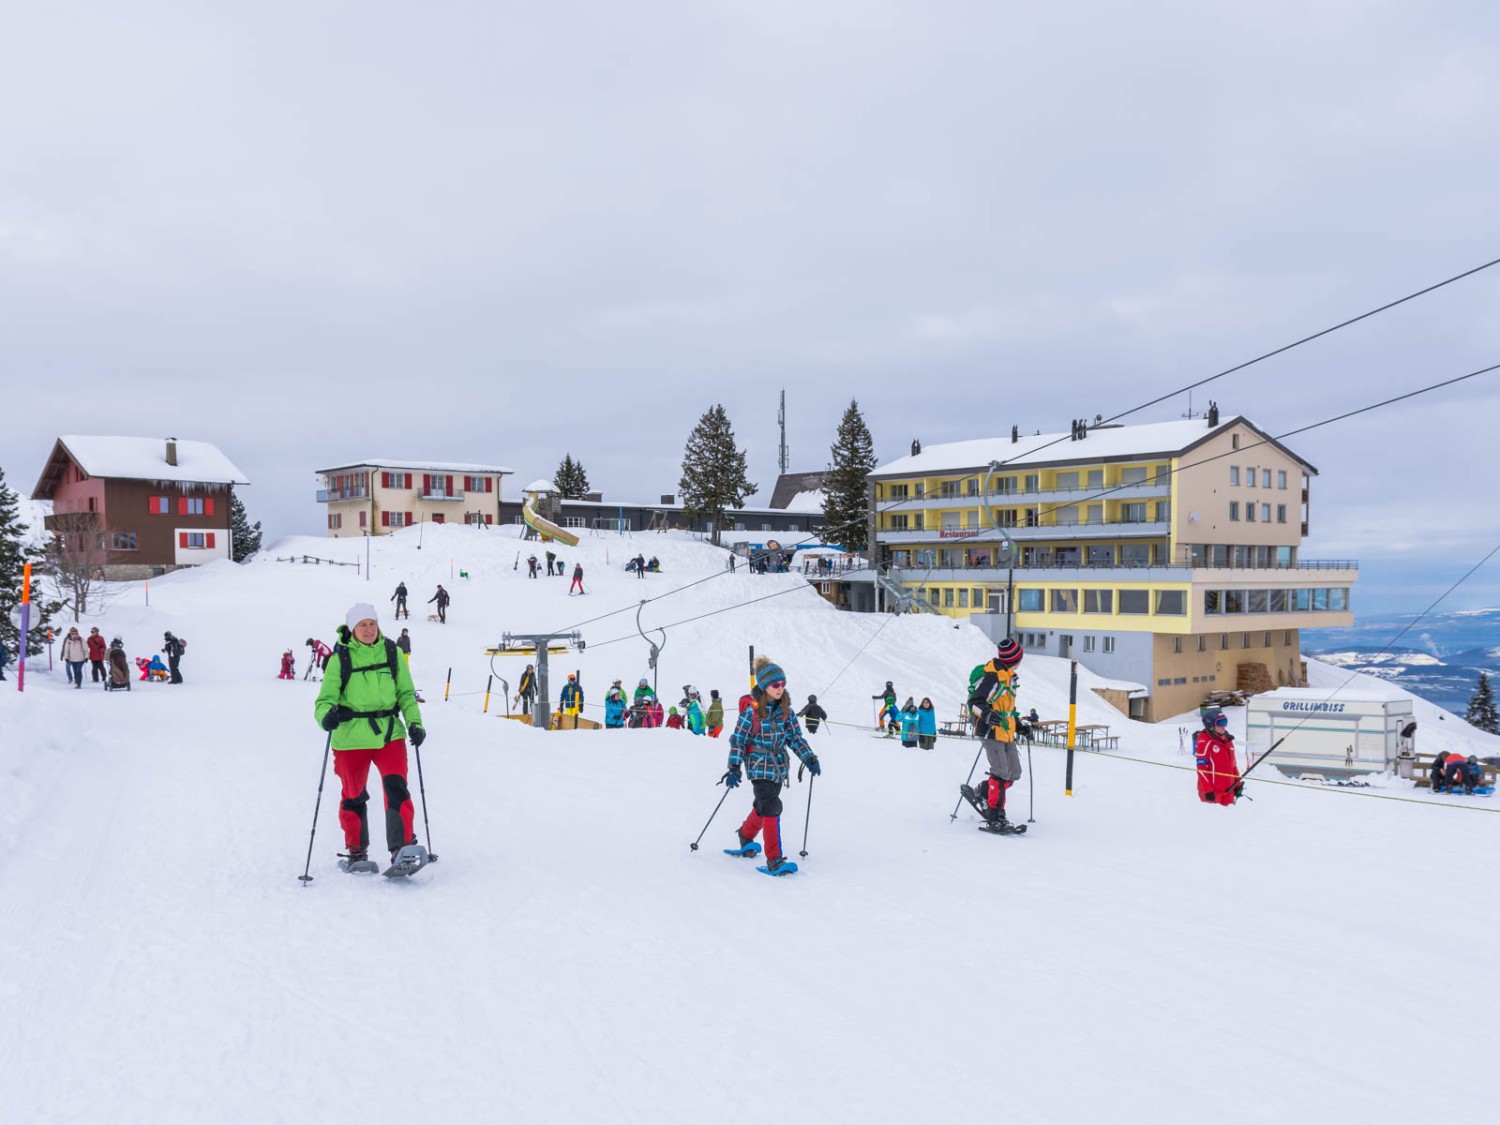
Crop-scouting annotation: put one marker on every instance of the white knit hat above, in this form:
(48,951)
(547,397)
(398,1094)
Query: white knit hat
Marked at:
(361,611)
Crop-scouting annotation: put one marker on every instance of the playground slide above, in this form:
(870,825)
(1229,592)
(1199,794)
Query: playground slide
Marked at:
(546,528)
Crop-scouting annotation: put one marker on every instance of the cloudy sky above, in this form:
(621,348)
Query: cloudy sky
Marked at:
(501,232)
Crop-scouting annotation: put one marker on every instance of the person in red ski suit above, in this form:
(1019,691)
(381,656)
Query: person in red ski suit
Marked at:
(1213,752)
(288,666)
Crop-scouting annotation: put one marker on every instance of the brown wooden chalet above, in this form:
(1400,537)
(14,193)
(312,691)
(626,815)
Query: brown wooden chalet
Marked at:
(142,506)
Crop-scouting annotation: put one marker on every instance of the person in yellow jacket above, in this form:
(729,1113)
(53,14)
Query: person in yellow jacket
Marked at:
(993,706)
(369,707)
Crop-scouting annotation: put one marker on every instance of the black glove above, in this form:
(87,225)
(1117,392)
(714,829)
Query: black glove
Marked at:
(1239,789)
(417,735)
(336,715)
(731,777)
(812,766)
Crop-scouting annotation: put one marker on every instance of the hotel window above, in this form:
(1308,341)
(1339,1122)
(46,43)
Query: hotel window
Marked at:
(1276,601)
(899,492)
(1033,519)
(1135,601)
(963,597)
(1223,641)
(1265,641)
(1028,601)
(1250,477)
(1213,601)
(1064,601)
(1244,640)
(1202,642)
(948,597)
(1281,478)
(1031,482)
(1338,598)
(1109,644)
(1088,644)
(1265,513)
(1250,512)
(916,521)
(1281,513)
(1163,511)
(1098,601)
(920,487)
(1234,601)
(1265,478)
(978,596)
(1133,513)
(1257,601)
(1171,602)
(1096,478)
(1234,510)
(1176,644)
(1234,474)
(1134,475)
(973,489)
(1286,638)
(1066,482)
(1320,599)
(896,523)
(1303,601)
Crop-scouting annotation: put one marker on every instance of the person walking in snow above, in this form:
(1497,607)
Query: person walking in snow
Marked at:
(813,713)
(693,711)
(441,597)
(399,597)
(551,562)
(888,713)
(639,564)
(75,654)
(98,651)
(174,647)
(614,706)
(526,689)
(764,738)
(715,716)
(532,566)
(926,725)
(288,666)
(1213,755)
(992,704)
(570,700)
(577,584)
(369,707)
(909,723)
(403,642)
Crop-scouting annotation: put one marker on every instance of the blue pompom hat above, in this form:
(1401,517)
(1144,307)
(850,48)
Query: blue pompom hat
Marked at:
(767,673)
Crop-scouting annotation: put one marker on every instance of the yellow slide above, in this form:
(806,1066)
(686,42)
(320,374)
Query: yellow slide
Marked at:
(546,528)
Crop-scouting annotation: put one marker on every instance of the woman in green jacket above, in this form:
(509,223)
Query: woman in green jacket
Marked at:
(368,705)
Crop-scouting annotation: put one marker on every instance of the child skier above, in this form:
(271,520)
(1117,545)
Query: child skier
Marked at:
(762,736)
(577,584)
(909,723)
(1213,753)
(614,706)
(288,666)
(813,714)
(993,707)
(888,713)
(674,720)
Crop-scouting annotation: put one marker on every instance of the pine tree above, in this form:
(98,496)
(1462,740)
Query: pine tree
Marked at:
(713,470)
(244,536)
(14,555)
(846,498)
(1481,712)
(571,479)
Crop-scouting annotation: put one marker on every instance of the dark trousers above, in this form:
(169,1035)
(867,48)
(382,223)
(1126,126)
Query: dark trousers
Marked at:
(401,610)
(99,674)
(525,703)
(172,662)
(765,816)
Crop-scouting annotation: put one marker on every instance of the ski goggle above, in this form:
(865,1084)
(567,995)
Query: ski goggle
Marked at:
(1222,721)
(776,683)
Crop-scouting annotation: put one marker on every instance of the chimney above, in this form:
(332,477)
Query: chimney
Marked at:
(916,447)
(1213,414)
(171,451)
(1083,428)
(668,498)
(1073,430)
(1015,434)
(594,497)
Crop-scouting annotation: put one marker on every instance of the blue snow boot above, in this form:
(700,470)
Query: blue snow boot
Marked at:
(746,848)
(778,866)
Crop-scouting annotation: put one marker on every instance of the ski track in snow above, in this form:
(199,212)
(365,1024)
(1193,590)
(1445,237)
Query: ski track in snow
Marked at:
(1135,957)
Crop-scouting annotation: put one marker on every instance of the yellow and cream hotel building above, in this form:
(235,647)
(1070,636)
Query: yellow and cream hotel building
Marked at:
(1167,554)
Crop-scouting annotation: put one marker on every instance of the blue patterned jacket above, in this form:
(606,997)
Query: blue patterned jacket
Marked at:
(762,748)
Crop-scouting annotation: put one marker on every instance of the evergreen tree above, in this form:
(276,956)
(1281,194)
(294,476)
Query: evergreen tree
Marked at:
(1481,712)
(14,555)
(571,479)
(846,498)
(243,535)
(713,470)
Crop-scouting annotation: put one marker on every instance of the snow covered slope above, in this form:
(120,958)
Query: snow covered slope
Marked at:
(1136,957)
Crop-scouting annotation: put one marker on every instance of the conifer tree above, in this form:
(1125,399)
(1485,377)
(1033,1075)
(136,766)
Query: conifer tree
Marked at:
(571,480)
(846,499)
(14,554)
(713,470)
(243,535)
(1481,712)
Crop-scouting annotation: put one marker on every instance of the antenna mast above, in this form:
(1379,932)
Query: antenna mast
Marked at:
(781,420)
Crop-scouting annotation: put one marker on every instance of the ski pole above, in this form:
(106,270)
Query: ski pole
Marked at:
(305,878)
(1031,779)
(968,779)
(422,788)
(694,845)
(808,818)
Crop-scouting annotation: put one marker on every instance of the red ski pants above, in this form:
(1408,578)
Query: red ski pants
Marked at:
(765,817)
(353,770)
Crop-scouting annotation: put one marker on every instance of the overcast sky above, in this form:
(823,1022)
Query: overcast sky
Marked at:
(501,232)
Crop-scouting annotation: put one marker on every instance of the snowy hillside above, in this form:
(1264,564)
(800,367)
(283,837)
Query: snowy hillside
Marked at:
(1136,957)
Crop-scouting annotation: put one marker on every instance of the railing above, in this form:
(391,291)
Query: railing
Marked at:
(1052,563)
(324,495)
(440,496)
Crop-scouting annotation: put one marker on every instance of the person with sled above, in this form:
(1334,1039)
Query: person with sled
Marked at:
(570,700)
(763,736)
(368,706)
(654,566)
(992,704)
(532,566)
(119,667)
(288,666)
(174,647)
(1454,773)
(715,716)
(909,723)
(813,713)
(614,706)
(442,599)
(926,724)
(888,713)
(98,651)
(75,654)
(638,564)
(1213,753)
(577,584)
(526,689)
(399,597)
(155,669)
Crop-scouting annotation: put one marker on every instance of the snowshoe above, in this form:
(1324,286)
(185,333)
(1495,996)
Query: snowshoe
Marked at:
(980,805)
(357,862)
(778,866)
(406,861)
(747,848)
(1003,827)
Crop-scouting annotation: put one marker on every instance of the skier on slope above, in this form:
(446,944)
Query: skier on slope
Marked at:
(888,713)
(1213,753)
(319,658)
(763,735)
(570,700)
(577,584)
(992,704)
(813,713)
(288,666)
(369,707)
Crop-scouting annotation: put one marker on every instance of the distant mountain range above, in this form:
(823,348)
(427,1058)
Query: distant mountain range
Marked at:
(1439,659)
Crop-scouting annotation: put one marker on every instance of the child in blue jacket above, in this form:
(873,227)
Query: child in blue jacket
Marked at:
(909,722)
(926,725)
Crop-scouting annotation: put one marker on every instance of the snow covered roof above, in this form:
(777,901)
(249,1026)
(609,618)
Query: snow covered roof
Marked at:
(540,486)
(419,466)
(137,458)
(806,501)
(1373,691)
(1110,443)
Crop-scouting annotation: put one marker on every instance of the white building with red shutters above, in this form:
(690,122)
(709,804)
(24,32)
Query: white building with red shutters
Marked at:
(376,497)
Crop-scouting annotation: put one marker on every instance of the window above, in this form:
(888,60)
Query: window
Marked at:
(973,488)
(1032,518)
(1234,474)
(1032,482)
(1265,513)
(1286,638)
(395,480)
(1234,601)
(1250,513)
(335,521)
(1064,601)
(574,521)
(1096,478)
(1172,602)
(899,492)
(919,488)
(948,597)
(123,541)
(896,523)
(1275,601)
(1265,478)
(1250,477)
(194,506)
(1303,601)
(1223,641)
(1281,478)
(1320,599)
(1338,598)
(1098,601)
(978,596)
(1234,441)
(1213,601)
(1028,601)
(1202,642)
(963,597)
(1257,601)
(195,540)
(159,505)
(1163,511)
(362,515)
(1177,644)
(1088,644)
(1265,640)
(479,484)
(1066,482)
(916,522)
(1131,475)
(1109,644)
(1133,513)
(1234,510)
(1135,601)
(1281,513)
(1244,640)
(1134,554)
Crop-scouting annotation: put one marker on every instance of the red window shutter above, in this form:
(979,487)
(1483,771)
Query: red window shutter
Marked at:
(385,480)
(489,484)
(489,519)
(151,504)
(182,505)
(182,539)
(450,486)
(408,519)
(210,539)
(208,509)
(426,484)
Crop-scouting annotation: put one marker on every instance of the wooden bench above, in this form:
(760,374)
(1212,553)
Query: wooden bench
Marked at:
(1422,771)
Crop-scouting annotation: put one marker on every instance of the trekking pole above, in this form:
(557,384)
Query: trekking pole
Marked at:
(808,818)
(968,779)
(305,878)
(1031,779)
(694,845)
(422,788)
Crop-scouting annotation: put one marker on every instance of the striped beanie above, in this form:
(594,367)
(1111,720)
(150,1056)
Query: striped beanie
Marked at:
(1009,653)
(767,672)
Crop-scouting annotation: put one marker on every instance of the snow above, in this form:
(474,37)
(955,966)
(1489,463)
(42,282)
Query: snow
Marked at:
(419,466)
(1137,956)
(136,458)
(540,485)
(811,501)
